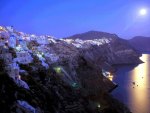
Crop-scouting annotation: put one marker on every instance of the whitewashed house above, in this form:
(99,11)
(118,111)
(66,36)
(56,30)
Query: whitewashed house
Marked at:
(77,45)
(68,41)
(33,37)
(19,48)
(79,41)
(22,43)
(13,71)
(10,28)
(42,40)
(51,40)
(27,38)
(12,41)
(24,57)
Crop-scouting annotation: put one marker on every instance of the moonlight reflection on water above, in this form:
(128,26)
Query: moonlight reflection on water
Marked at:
(134,85)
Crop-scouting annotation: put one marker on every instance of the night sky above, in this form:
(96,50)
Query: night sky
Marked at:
(62,18)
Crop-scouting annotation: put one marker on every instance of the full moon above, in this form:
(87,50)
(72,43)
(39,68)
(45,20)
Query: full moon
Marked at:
(143,12)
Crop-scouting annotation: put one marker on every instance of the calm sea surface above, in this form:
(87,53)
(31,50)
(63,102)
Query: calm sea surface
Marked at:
(134,85)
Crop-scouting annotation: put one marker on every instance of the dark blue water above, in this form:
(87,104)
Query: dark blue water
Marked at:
(134,85)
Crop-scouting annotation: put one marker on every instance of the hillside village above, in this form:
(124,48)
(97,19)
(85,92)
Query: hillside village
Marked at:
(25,46)
(72,57)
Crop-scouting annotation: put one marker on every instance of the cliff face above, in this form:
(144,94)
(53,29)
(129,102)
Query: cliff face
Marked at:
(50,94)
(40,74)
(114,49)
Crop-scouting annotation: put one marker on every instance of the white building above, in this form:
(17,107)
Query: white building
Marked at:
(22,43)
(51,40)
(42,40)
(27,38)
(77,45)
(69,41)
(79,41)
(10,28)
(12,41)
(24,57)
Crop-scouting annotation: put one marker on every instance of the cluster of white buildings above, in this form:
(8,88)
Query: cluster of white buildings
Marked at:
(83,43)
(23,57)
(12,67)
(20,43)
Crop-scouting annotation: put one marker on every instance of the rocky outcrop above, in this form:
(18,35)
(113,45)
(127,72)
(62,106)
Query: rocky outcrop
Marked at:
(50,94)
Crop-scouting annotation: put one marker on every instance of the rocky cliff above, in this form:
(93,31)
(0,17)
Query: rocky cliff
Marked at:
(114,49)
(40,74)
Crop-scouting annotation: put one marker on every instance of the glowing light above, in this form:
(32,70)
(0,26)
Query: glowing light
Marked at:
(39,55)
(57,69)
(23,38)
(75,85)
(19,77)
(110,77)
(32,35)
(5,46)
(98,105)
(143,12)
(1,28)
(18,48)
